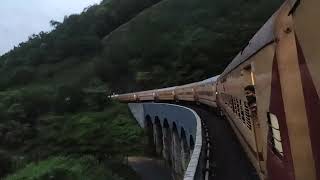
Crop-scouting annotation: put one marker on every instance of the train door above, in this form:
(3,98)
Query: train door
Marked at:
(251,110)
(249,91)
(220,91)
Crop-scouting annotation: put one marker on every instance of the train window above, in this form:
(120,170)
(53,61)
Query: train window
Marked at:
(233,105)
(248,116)
(236,105)
(274,134)
(242,112)
(238,108)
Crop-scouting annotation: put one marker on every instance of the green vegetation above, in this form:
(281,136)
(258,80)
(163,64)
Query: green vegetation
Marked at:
(32,131)
(55,119)
(138,44)
(69,49)
(62,168)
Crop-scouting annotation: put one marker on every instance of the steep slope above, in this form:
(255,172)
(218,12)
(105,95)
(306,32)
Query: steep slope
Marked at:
(46,57)
(177,41)
(172,42)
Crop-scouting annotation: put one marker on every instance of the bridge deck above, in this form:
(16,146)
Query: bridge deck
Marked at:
(229,159)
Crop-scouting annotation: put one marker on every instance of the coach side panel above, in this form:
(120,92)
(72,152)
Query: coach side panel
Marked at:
(232,100)
(307,31)
(206,94)
(252,126)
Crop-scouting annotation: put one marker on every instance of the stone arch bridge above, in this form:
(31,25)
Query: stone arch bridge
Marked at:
(175,133)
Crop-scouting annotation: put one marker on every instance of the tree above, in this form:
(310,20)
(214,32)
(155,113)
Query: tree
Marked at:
(16,111)
(22,75)
(55,24)
(3,112)
(68,99)
(36,101)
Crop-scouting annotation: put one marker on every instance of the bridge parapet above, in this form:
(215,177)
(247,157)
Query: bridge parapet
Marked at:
(176,133)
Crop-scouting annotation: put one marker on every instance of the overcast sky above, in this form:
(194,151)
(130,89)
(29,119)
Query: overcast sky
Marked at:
(21,18)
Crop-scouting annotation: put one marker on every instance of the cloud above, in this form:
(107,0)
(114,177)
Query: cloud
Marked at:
(20,18)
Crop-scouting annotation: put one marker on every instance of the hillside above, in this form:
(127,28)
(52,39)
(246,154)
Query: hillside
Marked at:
(186,40)
(177,42)
(54,113)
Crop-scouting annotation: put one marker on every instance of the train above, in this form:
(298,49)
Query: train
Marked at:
(269,93)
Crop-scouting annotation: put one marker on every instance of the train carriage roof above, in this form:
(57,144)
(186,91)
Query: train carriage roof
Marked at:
(166,89)
(264,36)
(188,85)
(209,80)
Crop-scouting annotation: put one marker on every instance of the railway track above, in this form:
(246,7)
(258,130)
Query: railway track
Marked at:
(228,161)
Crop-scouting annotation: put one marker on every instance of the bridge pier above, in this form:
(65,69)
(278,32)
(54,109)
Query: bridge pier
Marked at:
(151,149)
(166,152)
(191,142)
(185,151)
(158,136)
(176,154)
